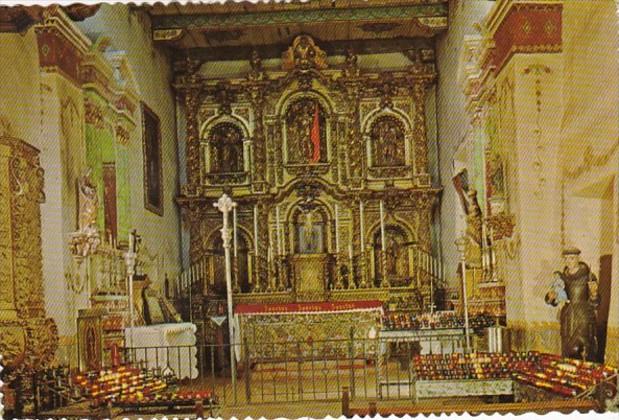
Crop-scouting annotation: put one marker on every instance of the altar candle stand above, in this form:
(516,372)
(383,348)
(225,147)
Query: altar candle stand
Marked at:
(338,260)
(461,244)
(362,267)
(257,264)
(351,267)
(383,282)
(235,286)
(225,205)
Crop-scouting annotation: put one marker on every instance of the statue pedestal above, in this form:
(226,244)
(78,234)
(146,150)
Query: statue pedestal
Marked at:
(310,275)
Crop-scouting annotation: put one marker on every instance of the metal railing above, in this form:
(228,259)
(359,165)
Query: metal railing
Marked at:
(427,269)
(289,371)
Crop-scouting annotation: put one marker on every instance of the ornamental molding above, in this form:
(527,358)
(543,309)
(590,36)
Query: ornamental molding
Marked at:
(591,160)
(521,27)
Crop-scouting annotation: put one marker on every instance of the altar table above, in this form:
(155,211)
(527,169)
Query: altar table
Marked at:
(169,347)
(312,330)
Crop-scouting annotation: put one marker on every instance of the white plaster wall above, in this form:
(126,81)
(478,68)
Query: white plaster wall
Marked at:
(130,32)
(453,121)
(30,104)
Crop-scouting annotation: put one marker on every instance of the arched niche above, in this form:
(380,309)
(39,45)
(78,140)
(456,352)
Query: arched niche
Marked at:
(399,251)
(310,227)
(225,145)
(306,128)
(388,135)
(217,264)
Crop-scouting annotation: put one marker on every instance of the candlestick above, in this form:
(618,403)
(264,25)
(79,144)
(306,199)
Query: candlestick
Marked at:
(235,234)
(279,239)
(256,230)
(337,236)
(382,226)
(361,227)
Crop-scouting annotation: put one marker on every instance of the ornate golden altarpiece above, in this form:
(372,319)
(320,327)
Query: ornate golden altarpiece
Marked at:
(311,152)
(28,340)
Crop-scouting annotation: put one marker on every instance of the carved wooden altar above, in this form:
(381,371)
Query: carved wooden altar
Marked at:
(309,150)
(28,340)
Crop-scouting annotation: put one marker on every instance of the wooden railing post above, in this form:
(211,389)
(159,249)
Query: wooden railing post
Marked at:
(346,402)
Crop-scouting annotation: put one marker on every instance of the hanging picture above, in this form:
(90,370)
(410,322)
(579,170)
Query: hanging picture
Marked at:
(153,179)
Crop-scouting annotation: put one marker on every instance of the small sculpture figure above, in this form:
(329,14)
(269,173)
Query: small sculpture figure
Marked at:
(351,68)
(578,318)
(558,295)
(88,203)
(257,73)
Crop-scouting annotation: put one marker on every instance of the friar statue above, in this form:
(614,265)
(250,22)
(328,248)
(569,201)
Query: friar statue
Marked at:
(577,290)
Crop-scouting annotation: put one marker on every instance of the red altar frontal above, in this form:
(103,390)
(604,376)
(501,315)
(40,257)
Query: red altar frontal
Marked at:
(287,331)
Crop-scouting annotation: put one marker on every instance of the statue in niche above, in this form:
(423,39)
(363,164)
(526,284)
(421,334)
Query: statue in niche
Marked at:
(395,252)
(576,289)
(388,140)
(226,141)
(88,203)
(306,132)
(310,232)
(392,256)
(85,241)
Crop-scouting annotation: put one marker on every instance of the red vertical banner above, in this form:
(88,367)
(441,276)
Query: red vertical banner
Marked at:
(315,137)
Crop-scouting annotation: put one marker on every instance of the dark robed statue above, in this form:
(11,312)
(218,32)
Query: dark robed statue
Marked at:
(577,288)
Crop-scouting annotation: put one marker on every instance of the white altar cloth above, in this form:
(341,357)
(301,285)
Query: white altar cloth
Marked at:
(169,347)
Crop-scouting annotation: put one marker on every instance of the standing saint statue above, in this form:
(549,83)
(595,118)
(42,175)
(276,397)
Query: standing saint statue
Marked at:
(88,203)
(578,329)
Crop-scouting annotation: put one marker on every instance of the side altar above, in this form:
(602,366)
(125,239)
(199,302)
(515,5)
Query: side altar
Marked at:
(287,331)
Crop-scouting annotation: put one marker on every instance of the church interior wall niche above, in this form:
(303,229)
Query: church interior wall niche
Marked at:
(387,142)
(225,143)
(306,132)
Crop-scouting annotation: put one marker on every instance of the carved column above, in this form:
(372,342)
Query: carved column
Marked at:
(192,151)
(356,148)
(420,140)
(28,340)
(259,140)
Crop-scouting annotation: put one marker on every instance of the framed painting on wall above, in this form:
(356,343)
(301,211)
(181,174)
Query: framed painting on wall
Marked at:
(153,176)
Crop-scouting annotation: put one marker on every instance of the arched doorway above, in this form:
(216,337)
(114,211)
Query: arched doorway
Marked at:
(219,264)
(397,252)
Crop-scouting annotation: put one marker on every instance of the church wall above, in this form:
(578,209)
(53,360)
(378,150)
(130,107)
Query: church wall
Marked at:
(31,104)
(130,32)
(46,109)
(453,120)
(590,141)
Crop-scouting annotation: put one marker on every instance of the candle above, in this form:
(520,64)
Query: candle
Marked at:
(234,230)
(361,227)
(279,239)
(382,226)
(256,230)
(131,241)
(350,255)
(337,236)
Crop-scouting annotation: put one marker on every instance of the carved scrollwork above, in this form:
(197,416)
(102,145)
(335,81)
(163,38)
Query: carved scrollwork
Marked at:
(304,54)
(390,171)
(223,178)
(501,225)
(27,339)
